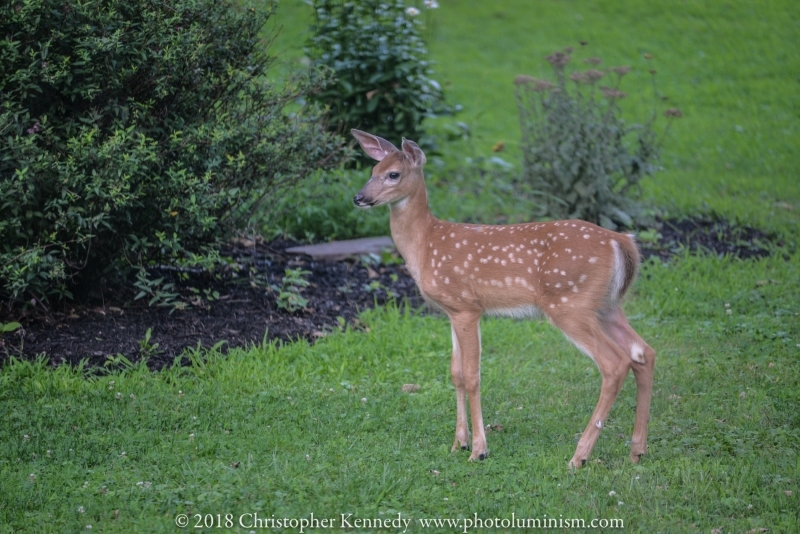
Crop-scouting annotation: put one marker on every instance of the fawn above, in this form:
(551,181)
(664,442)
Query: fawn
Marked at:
(572,272)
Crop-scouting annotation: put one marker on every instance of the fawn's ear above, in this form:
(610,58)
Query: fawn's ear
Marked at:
(414,152)
(376,147)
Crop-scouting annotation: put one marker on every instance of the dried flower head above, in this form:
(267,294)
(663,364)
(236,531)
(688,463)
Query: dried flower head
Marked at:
(593,75)
(558,59)
(523,79)
(621,71)
(673,113)
(593,61)
(568,49)
(612,94)
(542,86)
(577,77)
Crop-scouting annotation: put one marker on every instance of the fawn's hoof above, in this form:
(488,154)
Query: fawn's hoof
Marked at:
(478,456)
(576,463)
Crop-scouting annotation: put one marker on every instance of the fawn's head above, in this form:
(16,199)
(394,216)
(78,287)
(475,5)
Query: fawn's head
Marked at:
(397,174)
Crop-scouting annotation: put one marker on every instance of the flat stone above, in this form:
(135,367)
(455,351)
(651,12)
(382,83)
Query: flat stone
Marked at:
(339,250)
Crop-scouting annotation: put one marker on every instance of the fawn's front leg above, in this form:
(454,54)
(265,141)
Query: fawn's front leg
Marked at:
(462,427)
(467,337)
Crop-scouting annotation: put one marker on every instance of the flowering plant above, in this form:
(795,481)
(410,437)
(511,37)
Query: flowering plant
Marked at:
(379,59)
(578,152)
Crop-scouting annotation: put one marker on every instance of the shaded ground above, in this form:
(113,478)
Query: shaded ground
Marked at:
(244,310)
(712,235)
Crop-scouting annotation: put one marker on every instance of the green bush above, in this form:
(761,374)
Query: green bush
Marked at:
(380,62)
(578,152)
(327,211)
(135,131)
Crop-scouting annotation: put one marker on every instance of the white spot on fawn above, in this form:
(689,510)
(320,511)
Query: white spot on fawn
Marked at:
(582,278)
(564,299)
(593,259)
(599,424)
(586,236)
(452,234)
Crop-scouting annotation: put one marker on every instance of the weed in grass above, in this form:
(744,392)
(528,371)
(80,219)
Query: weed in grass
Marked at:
(288,295)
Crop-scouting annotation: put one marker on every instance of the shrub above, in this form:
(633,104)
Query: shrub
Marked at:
(135,131)
(327,211)
(577,150)
(380,62)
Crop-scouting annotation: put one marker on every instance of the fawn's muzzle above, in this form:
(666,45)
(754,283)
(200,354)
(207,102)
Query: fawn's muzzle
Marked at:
(360,201)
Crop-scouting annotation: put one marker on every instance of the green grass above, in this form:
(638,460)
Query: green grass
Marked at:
(294,430)
(325,429)
(731,68)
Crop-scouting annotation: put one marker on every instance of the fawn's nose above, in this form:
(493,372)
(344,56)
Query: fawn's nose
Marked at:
(360,201)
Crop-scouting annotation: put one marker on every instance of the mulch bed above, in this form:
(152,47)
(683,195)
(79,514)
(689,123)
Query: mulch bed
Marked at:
(245,315)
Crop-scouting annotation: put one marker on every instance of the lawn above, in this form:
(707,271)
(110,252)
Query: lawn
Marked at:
(295,430)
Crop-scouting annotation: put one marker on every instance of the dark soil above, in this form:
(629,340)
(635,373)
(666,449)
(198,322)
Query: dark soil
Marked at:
(246,310)
(711,235)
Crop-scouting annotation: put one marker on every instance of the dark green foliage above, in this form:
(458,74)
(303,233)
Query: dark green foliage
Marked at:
(578,152)
(380,61)
(134,131)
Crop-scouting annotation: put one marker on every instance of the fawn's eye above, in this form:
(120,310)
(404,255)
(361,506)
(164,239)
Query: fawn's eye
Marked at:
(394,175)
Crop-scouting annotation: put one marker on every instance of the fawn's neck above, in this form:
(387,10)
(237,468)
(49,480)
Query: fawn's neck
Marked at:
(410,221)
